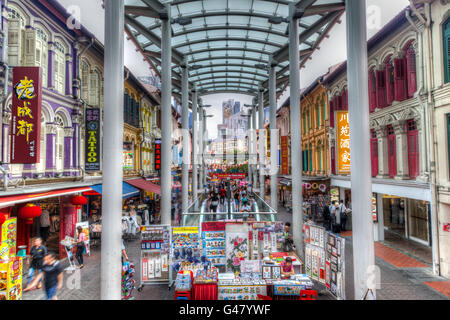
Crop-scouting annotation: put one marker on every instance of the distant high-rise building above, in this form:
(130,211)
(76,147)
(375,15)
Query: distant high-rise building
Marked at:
(237,107)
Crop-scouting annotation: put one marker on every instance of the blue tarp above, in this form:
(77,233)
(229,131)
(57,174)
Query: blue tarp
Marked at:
(127,190)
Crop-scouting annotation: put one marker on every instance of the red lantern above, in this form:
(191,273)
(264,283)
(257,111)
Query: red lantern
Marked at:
(79,200)
(29,212)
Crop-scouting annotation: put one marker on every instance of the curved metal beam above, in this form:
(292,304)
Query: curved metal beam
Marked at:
(233,86)
(225,77)
(200,84)
(228,71)
(227,58)
(236,27)
(227,49)
(227,65)
(226,91)
(209,40)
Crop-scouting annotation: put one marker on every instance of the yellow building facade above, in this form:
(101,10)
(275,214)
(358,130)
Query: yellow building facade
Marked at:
(315,120)
(132,136)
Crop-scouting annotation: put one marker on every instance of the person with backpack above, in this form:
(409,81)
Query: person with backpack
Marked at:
(343,213)
(326,217)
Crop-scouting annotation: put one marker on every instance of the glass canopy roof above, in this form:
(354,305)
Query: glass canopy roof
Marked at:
(228,43)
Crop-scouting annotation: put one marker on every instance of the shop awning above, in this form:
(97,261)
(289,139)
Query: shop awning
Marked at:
(22,198)
(127,190)
(145,185)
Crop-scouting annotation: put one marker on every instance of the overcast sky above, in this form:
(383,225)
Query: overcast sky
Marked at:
(332,50)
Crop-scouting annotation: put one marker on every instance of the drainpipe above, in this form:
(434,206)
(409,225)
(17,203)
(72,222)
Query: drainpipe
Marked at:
(4,95)
(89,42)
(434,170)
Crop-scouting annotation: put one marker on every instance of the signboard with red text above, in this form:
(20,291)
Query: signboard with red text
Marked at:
(26,115)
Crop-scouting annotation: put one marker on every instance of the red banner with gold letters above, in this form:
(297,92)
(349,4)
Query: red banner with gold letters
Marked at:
(26,115)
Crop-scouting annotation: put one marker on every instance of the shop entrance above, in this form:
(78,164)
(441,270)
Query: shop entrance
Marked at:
(394,214)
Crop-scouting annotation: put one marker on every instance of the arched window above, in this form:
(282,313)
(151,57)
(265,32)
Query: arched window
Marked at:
(446,33)
(318,122)
(60,68)
(85,69)
(16,29)
(94,90)
(372,91)
(411,74)
(389,73)
(41,56)
(59,143)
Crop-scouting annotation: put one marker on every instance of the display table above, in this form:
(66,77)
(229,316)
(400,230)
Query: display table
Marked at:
(204,291)
(241,289)
(288,289)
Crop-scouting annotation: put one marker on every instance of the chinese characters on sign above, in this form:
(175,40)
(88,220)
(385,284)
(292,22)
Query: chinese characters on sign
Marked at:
(93,127)
(157,155)
(343,142)
(26,115)
(284,155)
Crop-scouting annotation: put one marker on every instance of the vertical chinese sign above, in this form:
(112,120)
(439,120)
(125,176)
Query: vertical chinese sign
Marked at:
(284,155)
(26,115)
(157,155)
(343,142)
(93,139)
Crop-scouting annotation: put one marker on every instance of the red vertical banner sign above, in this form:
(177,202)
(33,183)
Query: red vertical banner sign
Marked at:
(158,155)
(26,115)
(284,156)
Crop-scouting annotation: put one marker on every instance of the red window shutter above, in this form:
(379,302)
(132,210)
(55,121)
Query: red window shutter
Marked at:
(389,83)
(333,160)
(345,100)
(399,79)
(413,150)
(392,155)
(381,89)
(411,71)
(332,113)
(339,103)
(372,91)
(374,156)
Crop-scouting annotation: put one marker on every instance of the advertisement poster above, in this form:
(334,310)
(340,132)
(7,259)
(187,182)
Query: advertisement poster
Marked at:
(284,155)
(213,238)
(8,238)
(93,139)
(26,115)
(11,279)
(343,142)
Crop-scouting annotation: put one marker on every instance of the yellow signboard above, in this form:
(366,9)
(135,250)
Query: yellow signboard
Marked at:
(343,142)
(180,230)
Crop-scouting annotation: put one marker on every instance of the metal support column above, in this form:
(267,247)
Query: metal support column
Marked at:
(194,144)
(205,139)
(200,145)
(358,98)
(249,146)
(296,159)
(111,266)
(185,132)
(166,118)
(254,155)
(273,136)
(262,141)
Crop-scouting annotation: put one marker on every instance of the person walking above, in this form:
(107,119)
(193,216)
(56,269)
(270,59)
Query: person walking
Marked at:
(52,273)
(81,238)
(326,217)
(343,213)
(44,221)
(35,259)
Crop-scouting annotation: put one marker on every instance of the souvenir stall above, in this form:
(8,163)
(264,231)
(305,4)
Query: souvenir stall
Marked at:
(248,267)
(155,255)
(325,258)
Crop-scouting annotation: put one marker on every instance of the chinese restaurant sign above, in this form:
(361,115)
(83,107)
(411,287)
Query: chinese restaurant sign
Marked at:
(26,115)
(343,141)
(157,155)
(93,139)
(284,156)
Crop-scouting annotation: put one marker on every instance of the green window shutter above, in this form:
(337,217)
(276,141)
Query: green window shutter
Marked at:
(446,46)
(448,138)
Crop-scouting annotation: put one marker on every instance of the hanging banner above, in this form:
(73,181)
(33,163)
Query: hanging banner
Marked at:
(343,142)
(93,140)
(225,176)
(157,155)
(284,155)
(26,115)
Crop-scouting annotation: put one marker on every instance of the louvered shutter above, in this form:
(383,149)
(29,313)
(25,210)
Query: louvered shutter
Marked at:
(381,89)
(374,156)
(411,71)
(399,79)
(389,83)
(30,47)
(14,42)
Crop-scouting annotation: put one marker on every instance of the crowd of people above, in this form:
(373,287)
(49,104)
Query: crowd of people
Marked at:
(237,194)
(335,216)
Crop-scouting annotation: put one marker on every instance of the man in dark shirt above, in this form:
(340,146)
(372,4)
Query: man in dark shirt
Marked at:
(35,259)
(53,277)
